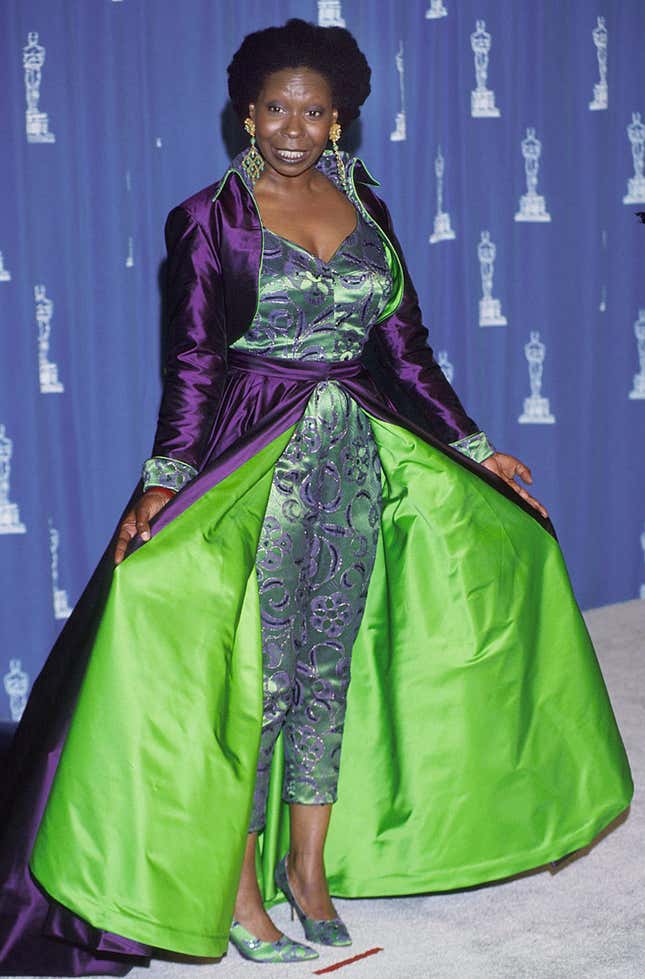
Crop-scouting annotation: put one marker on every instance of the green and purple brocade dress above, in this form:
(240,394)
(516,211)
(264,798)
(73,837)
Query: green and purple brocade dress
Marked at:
(320,530)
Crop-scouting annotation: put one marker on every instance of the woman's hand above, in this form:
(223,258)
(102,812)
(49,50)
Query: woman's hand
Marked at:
(136,520)
(507,467)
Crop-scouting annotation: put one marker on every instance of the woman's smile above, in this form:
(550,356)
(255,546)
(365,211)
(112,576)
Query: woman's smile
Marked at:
(290,156)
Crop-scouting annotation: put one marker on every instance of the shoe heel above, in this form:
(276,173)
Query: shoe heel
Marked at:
(332,931)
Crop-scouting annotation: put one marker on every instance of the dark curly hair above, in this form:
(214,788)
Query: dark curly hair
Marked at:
(331,51)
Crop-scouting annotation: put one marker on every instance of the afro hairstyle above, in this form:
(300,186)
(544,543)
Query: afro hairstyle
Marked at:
(331,51)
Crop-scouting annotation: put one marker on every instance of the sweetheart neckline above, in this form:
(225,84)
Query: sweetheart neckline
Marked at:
(306,250)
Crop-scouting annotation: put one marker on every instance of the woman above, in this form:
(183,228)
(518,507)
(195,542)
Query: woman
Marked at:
(317,498)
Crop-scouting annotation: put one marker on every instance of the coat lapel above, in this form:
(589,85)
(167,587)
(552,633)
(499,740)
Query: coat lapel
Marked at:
(236,233)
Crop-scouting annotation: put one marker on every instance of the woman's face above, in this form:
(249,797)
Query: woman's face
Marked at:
(292,116)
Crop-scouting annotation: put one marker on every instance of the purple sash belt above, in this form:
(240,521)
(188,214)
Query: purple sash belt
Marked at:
(301,370)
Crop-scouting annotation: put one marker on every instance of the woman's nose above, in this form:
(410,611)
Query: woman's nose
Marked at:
(294,125)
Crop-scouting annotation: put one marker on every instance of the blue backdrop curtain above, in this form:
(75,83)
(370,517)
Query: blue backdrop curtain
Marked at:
(113,111)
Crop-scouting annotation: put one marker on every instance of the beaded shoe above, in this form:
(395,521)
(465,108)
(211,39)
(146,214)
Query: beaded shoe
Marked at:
(282,950)
(325,931)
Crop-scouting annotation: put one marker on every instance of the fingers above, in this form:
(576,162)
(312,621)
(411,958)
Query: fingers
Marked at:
(133,523)
(523,472)
(512,466)
(527,496)
(499,464)
(127,530)
(136,521)
(141,523)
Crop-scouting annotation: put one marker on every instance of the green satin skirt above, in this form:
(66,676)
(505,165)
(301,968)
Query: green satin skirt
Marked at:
(479,738)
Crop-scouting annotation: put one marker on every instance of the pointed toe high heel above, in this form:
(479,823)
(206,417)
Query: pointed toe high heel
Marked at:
(284,949)
(325,931)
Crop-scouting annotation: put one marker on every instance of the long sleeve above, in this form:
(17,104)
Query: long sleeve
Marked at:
(195,365)
(401,347)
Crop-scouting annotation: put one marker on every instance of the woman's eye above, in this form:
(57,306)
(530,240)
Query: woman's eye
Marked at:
(311,112)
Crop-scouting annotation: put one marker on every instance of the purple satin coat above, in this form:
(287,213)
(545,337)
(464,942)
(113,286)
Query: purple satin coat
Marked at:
(215,413)
(214,252)
(219,408)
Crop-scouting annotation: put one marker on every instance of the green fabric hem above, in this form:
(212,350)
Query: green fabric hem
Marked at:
(401,885)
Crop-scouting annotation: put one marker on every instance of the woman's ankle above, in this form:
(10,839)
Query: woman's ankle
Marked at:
(256,920)
(307,867)
(310,888)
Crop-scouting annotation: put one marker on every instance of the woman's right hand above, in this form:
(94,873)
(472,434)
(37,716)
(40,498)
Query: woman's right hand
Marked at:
(136,520)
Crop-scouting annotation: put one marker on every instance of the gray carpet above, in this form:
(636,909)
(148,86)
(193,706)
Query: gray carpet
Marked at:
(584,921)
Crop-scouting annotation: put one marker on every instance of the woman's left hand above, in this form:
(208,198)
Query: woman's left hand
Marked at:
(507,467)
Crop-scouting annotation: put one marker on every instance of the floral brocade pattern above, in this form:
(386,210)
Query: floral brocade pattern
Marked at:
(318,541)
(314,310)
(162,471)
(314,560)
(476,446)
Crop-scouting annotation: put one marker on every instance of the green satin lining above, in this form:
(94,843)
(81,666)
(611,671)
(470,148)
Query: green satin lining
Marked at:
(479,740)
(396,272)
(393,260)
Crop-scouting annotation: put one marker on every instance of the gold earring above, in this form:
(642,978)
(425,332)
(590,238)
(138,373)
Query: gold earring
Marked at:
(252,161)
(334,135)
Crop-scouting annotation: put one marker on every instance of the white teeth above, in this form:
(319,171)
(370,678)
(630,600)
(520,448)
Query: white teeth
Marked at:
(291,154)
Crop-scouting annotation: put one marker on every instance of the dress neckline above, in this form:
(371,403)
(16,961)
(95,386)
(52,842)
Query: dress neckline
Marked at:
(301,248)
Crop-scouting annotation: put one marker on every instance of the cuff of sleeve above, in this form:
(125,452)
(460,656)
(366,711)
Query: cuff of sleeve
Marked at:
(475,446)
(169,473)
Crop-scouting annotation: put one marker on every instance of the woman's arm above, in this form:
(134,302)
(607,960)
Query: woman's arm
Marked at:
(194,373)
(402,346)
(195,365)
(402,343)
